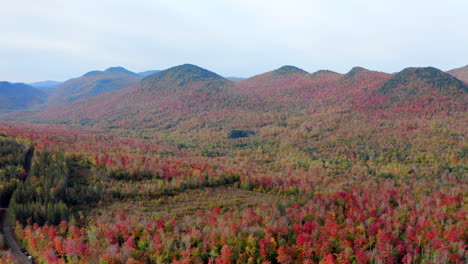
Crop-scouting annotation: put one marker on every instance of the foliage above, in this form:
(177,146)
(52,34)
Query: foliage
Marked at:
(235,133)
(49,191)
(12,167)
(356,177)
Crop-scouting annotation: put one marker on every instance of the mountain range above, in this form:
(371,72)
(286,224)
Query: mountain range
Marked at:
(44,84)
(93,83)
(19,96)
(117,97)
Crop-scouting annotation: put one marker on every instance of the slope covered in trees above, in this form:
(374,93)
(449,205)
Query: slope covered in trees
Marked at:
(12,167)
(93,83)
(355,169)
(19,97)
(180,94)
(162,99)
(460,73)
(412,83)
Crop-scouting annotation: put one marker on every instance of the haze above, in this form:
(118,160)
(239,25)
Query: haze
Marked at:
(57,40)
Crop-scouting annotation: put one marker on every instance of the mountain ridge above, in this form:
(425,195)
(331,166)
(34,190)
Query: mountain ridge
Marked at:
(93,83)
(19,97)
(188,91)
(184,75)
(417,81)
(460,73)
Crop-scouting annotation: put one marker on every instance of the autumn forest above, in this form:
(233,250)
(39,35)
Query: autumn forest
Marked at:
(186,166)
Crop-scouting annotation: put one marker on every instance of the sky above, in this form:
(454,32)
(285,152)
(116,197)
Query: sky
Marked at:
(61,39)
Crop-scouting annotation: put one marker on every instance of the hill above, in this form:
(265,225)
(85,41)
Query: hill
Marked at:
(184,77)
(284,167)
(291,88)
(272,83)
(19,96)
(460,73)
(44,84)
(148,73)
(235,79)
(418,83)
(187,93)
(93,83)
(161,98)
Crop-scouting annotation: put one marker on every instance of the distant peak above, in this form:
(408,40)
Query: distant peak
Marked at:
(92,73)
(323,72)
(148,73)
(113,70)
(288,69)
(461,68)
(188,65)
(460,73)
(118,69)
(412,80)
(356,70)
(424,72)
(183,75)
(190,69)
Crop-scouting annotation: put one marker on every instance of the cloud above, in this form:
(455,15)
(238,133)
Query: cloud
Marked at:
(231,37)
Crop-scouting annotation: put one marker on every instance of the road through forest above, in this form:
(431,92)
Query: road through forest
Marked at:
(5,228)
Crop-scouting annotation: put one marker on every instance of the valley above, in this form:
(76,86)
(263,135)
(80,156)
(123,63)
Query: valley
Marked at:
(185,166)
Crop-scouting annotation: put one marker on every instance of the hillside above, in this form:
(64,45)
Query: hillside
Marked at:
(160,99)
(19,96)
(291,89)
(273,84)
(184,78)
(44,84)
(148,73)
(418,83)
(276,78)
(93,83)
(235,79)
(284,167)
(186,93)
(460,73)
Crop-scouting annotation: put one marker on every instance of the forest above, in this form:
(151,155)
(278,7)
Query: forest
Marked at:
(323,188)
(283,167)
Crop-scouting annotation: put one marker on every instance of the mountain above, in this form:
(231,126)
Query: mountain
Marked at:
(361,80)
(288,70)
(148,73)
(184,77)
(182,94)
(291,87)
(235,79)
(93,83)
(19,96)
(158,100)
(44,84)
(460,73)
(417,83)
(272,83)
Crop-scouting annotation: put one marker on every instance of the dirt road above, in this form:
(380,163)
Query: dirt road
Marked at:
(10,239)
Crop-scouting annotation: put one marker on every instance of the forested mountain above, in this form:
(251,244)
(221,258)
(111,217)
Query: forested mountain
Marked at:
(148,73)
(19,96)
(460,73)
(45,84)
(93,83)
(186,166)
(416,83)
(165,98)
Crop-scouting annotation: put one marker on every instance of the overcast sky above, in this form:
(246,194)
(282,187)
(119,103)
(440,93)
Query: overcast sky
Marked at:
(57,40)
